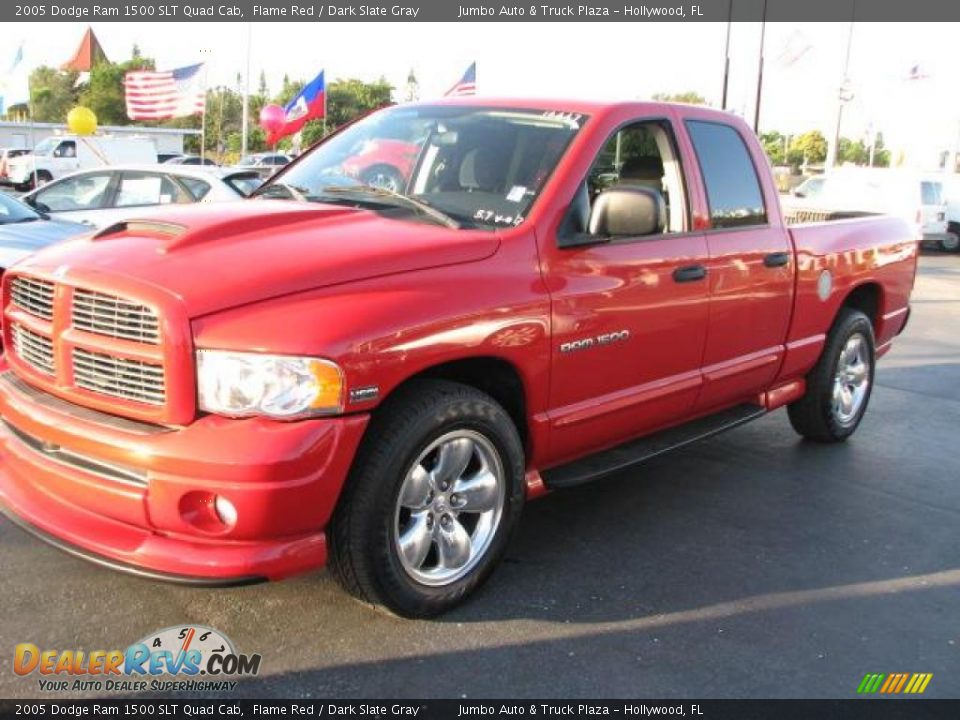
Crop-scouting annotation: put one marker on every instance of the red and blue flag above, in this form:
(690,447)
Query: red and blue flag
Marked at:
(309,104)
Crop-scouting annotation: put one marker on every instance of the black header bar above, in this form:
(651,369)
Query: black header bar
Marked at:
(475,11)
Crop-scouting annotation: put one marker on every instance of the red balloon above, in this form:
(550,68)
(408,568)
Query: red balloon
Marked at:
(272,118)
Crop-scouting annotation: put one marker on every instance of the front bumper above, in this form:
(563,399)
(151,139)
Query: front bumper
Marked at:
(138,497)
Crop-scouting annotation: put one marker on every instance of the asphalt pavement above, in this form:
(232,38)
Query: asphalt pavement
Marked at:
(750,565)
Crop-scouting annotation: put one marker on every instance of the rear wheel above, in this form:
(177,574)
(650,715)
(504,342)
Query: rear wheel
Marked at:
(951,241)
(431,502)
(839,386)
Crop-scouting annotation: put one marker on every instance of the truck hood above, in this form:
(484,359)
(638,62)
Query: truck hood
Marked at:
(221,256)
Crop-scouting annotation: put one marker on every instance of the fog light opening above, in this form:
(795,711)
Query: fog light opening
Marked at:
(226,511)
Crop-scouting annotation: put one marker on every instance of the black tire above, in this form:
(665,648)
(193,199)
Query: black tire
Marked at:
(364,557)
(951,243)
(814,416)
(39,179)
(385,176)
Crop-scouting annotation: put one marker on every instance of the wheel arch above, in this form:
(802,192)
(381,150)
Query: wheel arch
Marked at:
(867,297)
(495,376)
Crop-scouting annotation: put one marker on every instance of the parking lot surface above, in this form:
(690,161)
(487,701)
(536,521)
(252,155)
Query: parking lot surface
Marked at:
(752,564)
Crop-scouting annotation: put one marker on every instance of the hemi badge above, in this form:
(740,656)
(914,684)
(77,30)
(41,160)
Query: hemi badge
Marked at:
(365,394)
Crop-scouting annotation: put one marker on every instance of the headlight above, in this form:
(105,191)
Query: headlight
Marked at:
(279,386)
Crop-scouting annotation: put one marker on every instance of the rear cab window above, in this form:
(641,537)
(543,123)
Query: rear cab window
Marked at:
(729,175)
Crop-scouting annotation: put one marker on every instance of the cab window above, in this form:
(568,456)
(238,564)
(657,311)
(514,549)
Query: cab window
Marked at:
(66,149)
(641,154)
(733,188)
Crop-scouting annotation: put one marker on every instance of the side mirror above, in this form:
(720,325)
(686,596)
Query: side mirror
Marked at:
(628,211)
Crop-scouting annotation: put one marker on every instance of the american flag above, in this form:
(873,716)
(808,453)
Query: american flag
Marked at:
(165,94)
(467,85)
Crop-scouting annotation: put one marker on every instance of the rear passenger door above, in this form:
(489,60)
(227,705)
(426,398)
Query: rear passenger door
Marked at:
(629,314)
(750,267)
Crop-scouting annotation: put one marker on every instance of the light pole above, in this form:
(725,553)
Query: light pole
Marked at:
(844,95)
(763,35)
(246,97)
(726,58)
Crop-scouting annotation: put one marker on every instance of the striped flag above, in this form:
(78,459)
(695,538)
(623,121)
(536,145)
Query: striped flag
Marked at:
(165,94)
(467,85)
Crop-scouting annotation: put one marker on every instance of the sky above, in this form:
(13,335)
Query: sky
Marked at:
(803,67)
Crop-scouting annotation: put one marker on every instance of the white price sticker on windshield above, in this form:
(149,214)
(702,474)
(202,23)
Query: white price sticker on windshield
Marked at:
(517,193)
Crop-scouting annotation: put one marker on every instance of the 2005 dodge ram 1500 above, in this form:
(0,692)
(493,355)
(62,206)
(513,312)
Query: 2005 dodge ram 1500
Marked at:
(375,370)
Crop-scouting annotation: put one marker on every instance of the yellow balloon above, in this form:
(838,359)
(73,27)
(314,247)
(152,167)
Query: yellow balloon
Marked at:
(82,121)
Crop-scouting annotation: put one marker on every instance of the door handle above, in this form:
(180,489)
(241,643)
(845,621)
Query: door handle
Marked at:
(689,273)
(777,259)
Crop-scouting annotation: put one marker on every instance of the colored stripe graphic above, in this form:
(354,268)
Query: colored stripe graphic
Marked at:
(894,683)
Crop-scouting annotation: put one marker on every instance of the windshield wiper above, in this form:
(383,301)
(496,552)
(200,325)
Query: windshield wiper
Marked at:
(397,199)
(292,191)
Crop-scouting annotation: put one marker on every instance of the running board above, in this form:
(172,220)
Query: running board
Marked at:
(637,451)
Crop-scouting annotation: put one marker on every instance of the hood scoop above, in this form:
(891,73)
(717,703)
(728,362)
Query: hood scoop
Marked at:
(196,228)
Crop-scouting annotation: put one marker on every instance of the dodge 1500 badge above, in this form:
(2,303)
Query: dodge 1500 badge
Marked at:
(376,376)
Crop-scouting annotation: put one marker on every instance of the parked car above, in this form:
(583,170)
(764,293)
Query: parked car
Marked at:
(23,231)
(107,195)
(383,163)
(190,160)
(264,163)
(7,154)
(168,156)
(337,373)
(60,155)
(854,192)
(951,185)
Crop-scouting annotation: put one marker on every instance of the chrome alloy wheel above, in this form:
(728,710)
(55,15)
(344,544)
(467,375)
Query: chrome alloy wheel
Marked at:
(851,381)
(449,508)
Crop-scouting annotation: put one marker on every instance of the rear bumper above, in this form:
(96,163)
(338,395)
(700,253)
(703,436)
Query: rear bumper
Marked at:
(138,498)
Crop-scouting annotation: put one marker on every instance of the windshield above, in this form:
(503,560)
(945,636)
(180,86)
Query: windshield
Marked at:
(46,147)
(12,211)
(473,166)
(811,187)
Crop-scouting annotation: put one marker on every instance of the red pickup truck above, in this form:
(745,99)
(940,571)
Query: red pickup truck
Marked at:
(334,372)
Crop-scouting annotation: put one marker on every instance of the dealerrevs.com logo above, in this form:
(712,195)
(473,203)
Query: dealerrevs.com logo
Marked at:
(197,657)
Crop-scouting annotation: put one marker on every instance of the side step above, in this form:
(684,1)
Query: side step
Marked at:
(636,451)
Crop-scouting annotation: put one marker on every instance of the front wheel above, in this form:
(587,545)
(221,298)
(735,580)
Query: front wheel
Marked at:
(431,503)
(839,386)
(950,242)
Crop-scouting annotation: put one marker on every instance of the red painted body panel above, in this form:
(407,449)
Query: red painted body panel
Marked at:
(387,299)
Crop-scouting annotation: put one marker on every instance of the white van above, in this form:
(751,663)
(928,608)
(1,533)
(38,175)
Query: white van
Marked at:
(56,156)
(848,192)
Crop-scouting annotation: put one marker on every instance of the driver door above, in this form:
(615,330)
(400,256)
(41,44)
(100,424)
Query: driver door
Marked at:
(629,313)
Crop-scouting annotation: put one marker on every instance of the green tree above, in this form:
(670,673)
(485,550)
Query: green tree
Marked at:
(52,94)
(104,93)
(690,97)
(810,148)
(775,145)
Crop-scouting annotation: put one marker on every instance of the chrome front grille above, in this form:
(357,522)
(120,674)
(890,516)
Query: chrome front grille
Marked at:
(115,317)
(35,350)
(119,377)
(33,296)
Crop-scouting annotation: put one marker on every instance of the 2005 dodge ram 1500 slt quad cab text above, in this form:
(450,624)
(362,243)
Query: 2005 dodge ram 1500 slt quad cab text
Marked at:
(372,365)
